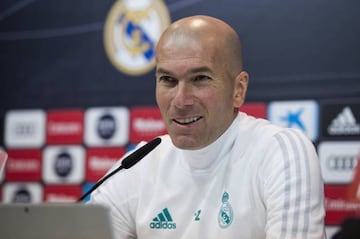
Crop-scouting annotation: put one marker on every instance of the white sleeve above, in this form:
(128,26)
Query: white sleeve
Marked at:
(294,192)
(107,195)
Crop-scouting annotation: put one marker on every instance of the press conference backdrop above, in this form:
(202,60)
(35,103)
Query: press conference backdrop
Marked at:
(77,86)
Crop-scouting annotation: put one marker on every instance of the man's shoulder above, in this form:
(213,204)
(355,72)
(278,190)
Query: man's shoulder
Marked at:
(258,126)
(257,131)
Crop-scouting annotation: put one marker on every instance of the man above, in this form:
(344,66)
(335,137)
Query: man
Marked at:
(218,173)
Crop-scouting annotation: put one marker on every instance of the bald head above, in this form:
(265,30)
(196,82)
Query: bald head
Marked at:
(200,85)
(210,33)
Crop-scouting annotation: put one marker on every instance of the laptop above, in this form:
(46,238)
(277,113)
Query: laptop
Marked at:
(55,221)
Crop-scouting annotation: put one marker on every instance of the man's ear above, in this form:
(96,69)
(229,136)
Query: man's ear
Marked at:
(241,83)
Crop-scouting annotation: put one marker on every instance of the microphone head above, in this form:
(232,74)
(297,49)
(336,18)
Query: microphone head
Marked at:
(135,157)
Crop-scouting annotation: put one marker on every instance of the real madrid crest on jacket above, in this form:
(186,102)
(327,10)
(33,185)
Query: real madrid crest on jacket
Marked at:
(226,212)
(132,29)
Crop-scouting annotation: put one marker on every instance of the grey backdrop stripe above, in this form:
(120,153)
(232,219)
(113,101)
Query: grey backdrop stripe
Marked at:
(43,34)
(181,4)
(74,30)
(14,8)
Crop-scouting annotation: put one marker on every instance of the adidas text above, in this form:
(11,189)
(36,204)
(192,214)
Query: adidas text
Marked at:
(163,225)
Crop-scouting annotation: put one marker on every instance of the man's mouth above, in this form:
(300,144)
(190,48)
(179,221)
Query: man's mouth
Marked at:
(189,120)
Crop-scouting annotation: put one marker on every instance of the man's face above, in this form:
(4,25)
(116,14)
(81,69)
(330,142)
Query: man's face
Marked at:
(195,93)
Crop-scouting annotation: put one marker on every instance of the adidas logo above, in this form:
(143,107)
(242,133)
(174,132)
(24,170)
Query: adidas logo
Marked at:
(344,123)
(163,221)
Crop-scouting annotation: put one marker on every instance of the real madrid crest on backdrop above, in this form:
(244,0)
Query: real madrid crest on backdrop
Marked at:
(132,29)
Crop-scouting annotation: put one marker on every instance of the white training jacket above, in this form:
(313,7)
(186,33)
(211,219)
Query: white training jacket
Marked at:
(256,181)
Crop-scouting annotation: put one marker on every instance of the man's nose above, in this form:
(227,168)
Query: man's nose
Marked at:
(184,95)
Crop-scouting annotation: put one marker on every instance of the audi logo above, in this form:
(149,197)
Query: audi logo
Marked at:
(342,162)
(24,129)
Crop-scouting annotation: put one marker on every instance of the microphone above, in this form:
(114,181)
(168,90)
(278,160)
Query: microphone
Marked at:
(126,163)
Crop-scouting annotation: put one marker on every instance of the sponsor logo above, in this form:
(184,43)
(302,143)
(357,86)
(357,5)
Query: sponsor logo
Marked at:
(100,160)
(62,194)
(101,163)
(52,197)
(63,164)
(302,115)
(85,189)
(22,193)
(146,124)
(163,221)
(65,127)
(344,124)
(23,165)
(258,110)
(337,206)
(340,120)
(132,29)
(106,126)
(24,129)
(338,160)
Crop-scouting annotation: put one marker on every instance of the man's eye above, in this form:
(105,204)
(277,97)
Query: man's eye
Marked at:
(201,78)
(167,79)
